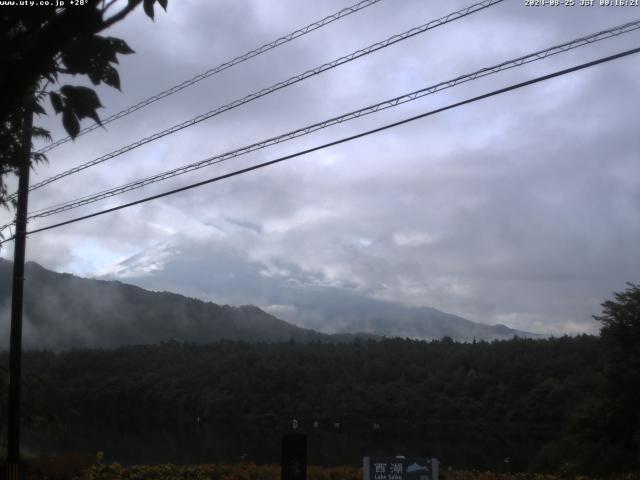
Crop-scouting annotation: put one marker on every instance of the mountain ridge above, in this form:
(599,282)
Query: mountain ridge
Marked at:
(64,311)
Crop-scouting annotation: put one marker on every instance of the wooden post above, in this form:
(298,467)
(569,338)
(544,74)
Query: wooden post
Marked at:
(15,352)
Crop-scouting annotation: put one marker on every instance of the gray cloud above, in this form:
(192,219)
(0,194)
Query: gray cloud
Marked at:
(522,209)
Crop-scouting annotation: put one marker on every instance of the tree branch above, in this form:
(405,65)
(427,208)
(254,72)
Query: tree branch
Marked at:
(121,14)
(107,6)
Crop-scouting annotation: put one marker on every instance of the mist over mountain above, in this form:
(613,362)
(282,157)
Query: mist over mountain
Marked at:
(63,311)
(301,297)
(346,311)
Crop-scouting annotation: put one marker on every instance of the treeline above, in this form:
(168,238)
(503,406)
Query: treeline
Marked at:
(555,388)
(520,381)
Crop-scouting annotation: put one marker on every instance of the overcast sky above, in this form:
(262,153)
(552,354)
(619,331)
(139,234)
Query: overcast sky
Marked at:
(523,209)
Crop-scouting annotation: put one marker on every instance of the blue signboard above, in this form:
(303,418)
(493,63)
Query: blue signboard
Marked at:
(399,468)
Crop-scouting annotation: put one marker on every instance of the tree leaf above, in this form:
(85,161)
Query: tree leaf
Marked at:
(120,45)
(39,132)
(56,102)
(70,123)
(39,157)
(51,76)
(93,115)
(148,8)
(82,101)
(94,76)
(81,97)
(110,77)
(91,54)
(163,4)
(77,55)
(37,108)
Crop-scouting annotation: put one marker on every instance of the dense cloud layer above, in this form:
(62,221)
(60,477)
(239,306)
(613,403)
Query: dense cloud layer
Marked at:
(521,209)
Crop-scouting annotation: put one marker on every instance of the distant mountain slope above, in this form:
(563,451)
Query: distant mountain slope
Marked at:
(348,311)
(63,311)
(292,294)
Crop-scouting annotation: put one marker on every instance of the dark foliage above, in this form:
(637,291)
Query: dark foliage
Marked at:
(529,387)
(37,45)
(614,421)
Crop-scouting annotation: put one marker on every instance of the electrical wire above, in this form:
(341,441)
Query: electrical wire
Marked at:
(539,55)
(266,91)
(342,140)
(223,66)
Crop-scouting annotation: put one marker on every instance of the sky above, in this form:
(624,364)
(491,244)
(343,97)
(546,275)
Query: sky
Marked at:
(522,209)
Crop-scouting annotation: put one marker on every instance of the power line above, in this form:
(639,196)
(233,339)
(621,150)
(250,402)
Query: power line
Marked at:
(223,66)
(585,40)
(265,91)
(539,55)
(343,140)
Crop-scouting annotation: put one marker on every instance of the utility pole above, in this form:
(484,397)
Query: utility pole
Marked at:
(15,351)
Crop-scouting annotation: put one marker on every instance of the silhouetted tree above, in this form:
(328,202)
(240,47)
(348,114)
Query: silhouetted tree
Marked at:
(620,334)
(37,44)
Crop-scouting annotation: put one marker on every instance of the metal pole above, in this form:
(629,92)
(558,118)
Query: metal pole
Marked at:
(15,352)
